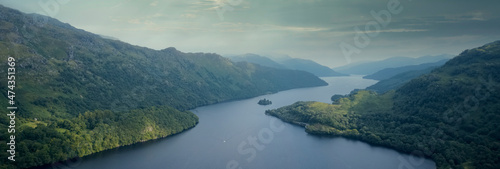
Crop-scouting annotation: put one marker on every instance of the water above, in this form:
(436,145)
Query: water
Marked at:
(238,134)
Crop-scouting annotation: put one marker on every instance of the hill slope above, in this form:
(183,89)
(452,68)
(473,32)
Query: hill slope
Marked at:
(450,115)
(398,80)
(310,66)
(288,63)
(74,88)
(257,59)
(92,72)
(390,72)
(367,68)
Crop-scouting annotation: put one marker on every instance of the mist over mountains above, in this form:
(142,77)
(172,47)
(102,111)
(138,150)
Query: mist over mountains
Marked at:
(287,63)
(370,67)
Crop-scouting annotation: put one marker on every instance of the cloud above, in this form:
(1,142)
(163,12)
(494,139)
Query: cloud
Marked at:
(471,16)
(134,21)
(249,27)
(301,28)
(189,16)
(154,3)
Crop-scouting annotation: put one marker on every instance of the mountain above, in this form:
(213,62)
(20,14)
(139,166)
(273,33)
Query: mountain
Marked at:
(78,93)
(288,63)
(393,78)
(366,68)
(257,59)
(450,115)
(310,66)
(390,72)
(109,37)
(398,80)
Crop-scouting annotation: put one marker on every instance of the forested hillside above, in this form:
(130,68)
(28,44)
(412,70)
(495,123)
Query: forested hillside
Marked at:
(391,72)
(288,63)
(78,93)
(398,80)
(450,115)
(257,59)
(371,67)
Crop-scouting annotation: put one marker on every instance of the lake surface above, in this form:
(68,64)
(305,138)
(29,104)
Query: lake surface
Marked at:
(238,134)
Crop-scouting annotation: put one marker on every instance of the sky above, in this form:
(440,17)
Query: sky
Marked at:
(330,32)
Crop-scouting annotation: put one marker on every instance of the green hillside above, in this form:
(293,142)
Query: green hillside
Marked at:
(398,80)
(257,59)
(78,93)
(288,63)
(391,72)
(450,115)
(371,67)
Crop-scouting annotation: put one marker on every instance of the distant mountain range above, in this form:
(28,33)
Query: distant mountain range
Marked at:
(390,72)
(398,80)
(257,59)
(366,68)
(288,63)
(393,78)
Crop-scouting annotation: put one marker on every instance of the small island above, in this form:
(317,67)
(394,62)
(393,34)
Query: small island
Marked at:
(264,102)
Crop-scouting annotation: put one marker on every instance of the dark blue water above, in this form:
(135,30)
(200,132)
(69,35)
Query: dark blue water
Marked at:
(239,135)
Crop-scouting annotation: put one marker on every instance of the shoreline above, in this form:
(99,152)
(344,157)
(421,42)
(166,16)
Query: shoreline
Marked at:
(139,143)
(353,138)
(160,138)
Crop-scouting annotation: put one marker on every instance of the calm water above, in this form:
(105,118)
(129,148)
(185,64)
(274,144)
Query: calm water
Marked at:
(239,134)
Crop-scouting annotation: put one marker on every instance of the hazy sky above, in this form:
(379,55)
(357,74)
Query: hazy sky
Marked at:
(311,29)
